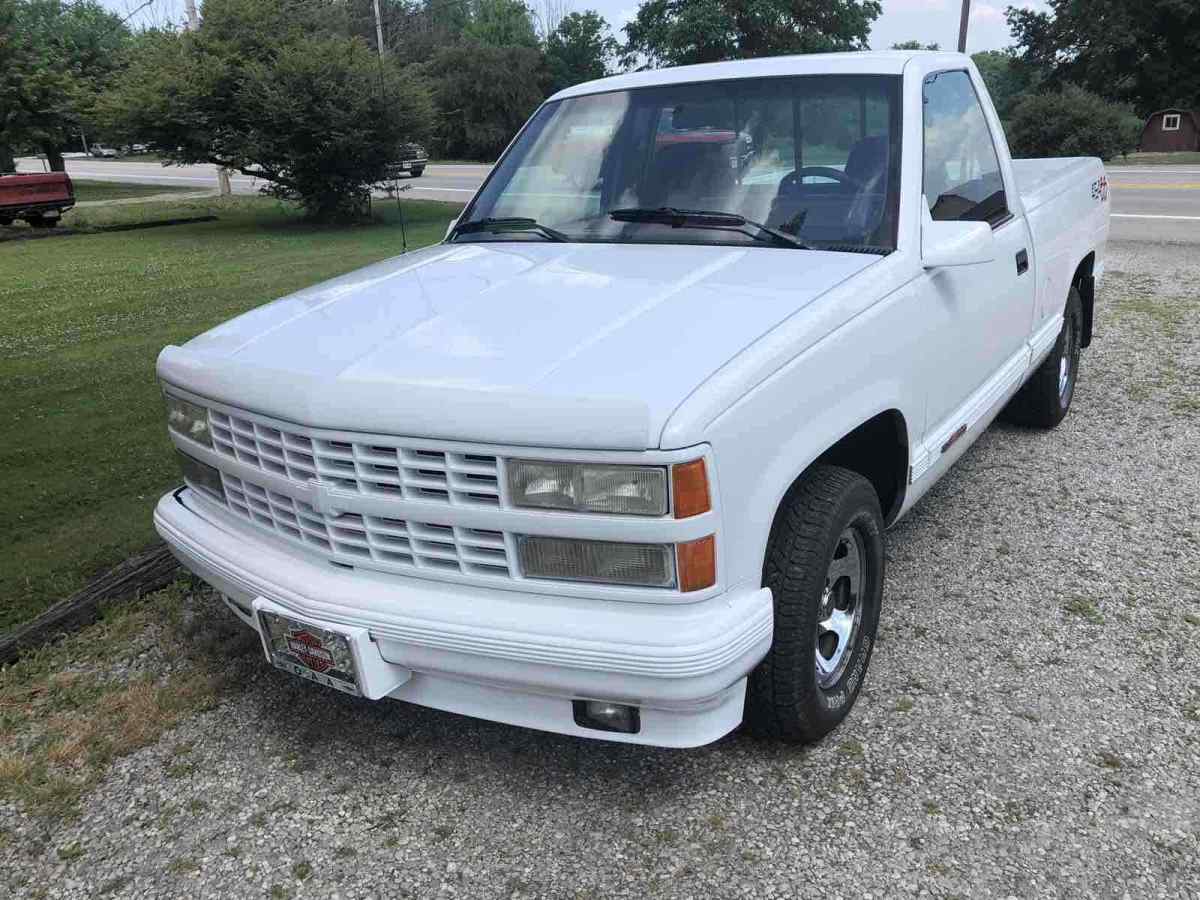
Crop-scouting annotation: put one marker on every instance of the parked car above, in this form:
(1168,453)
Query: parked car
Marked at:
(40,198)
(101,151)
(673,130)
(616,459)
(139,148)
(410,160)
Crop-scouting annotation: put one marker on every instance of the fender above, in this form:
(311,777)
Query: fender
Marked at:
(765,439)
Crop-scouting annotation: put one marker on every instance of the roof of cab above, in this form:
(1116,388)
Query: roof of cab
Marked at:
(865,62)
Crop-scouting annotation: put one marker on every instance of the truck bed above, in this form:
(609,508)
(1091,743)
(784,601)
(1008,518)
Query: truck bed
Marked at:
(36,193)
(1041,179)
(1066,203)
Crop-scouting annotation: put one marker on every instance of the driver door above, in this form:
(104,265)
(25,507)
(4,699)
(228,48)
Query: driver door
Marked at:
(978,315)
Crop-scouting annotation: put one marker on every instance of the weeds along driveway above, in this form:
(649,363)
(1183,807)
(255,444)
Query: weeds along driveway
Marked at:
(1030,725)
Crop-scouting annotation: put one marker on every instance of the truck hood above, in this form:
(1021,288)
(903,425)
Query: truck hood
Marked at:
(543,344)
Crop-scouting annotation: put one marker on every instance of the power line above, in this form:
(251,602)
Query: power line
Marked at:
(138,10)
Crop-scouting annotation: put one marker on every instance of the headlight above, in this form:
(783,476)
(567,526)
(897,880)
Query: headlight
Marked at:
(201,475)
(586,487)
(610,562)
(188,419)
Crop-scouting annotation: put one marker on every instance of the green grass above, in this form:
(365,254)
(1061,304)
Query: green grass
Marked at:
(1182,158)
(85,454)
(86,191)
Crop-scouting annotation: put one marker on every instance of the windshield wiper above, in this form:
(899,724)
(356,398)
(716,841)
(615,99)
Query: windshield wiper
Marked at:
(509,224)
(700,218)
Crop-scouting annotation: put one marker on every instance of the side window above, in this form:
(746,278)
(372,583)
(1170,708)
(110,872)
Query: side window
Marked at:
(962,172)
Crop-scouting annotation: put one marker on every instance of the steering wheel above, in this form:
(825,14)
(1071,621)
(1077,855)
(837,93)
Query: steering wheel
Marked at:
(837,175)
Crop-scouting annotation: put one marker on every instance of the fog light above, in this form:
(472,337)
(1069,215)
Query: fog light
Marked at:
(601,715)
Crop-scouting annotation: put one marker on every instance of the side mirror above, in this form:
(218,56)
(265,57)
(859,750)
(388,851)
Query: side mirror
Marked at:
(955,243)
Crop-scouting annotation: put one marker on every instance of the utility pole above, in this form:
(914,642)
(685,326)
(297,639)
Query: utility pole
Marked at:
(378,29)
(193,18)
(396,189)
(962,26)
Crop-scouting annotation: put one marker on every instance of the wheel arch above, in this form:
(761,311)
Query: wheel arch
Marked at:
(878,451)
(859,451)
(1085,282)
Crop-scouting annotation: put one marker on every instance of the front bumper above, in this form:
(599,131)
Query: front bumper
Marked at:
(503,655)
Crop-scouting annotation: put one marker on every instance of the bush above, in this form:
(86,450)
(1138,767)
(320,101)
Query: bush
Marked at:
(1073,122)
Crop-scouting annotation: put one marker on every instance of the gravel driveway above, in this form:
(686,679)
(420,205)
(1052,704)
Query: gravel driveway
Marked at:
(1030,725)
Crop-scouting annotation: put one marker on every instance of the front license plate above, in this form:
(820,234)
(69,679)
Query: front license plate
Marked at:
(307,651)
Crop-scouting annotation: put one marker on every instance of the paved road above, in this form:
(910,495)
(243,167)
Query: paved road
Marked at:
(453,183)
(1150,203)
(1155,203)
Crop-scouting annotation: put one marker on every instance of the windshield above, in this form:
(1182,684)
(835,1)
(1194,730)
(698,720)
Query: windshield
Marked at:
(814,157)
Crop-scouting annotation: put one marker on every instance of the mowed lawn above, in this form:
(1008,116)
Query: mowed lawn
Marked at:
(1181,158)
(83,449)
(87,191)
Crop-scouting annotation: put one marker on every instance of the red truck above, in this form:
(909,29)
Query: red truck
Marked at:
(39,198)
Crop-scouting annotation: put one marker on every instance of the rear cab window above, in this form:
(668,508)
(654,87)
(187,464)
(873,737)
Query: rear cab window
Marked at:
(962,180)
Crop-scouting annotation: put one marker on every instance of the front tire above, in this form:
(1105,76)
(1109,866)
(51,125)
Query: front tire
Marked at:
(417,173)
(1043,401)
(824,566)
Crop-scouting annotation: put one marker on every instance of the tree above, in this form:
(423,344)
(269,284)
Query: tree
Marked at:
(54,61)
(916,45)
(1006,78)
(501,23)
(1071,122)
(679,32)
(580,49)
(275,90)
(1142,53)
(483,95)
(413,30)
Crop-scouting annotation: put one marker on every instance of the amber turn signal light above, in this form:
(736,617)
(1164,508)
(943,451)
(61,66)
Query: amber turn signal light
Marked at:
(697,564)
(690,484)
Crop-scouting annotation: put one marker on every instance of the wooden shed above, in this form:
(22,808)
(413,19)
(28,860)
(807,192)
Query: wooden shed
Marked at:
(1169,130)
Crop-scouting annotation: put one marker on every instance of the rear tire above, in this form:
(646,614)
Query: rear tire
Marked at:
(41,221)
(824,566)
(1043,401)
(417,173)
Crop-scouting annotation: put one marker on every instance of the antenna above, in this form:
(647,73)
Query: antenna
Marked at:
(400,208)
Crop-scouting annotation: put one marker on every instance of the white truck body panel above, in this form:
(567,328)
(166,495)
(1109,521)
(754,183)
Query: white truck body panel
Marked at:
(519,339)
(756,360)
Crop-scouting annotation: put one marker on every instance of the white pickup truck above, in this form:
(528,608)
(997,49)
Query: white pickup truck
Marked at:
(615,459)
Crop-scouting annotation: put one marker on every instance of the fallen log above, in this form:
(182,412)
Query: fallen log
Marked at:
(141,574)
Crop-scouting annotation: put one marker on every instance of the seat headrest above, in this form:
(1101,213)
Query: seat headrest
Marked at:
(867,159)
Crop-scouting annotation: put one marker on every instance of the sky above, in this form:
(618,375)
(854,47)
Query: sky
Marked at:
(927,21)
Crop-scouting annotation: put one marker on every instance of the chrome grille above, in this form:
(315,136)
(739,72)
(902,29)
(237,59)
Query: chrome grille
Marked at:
(382,466)
(377,542)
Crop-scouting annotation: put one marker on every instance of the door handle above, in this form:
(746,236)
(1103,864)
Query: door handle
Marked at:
(1022,261)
